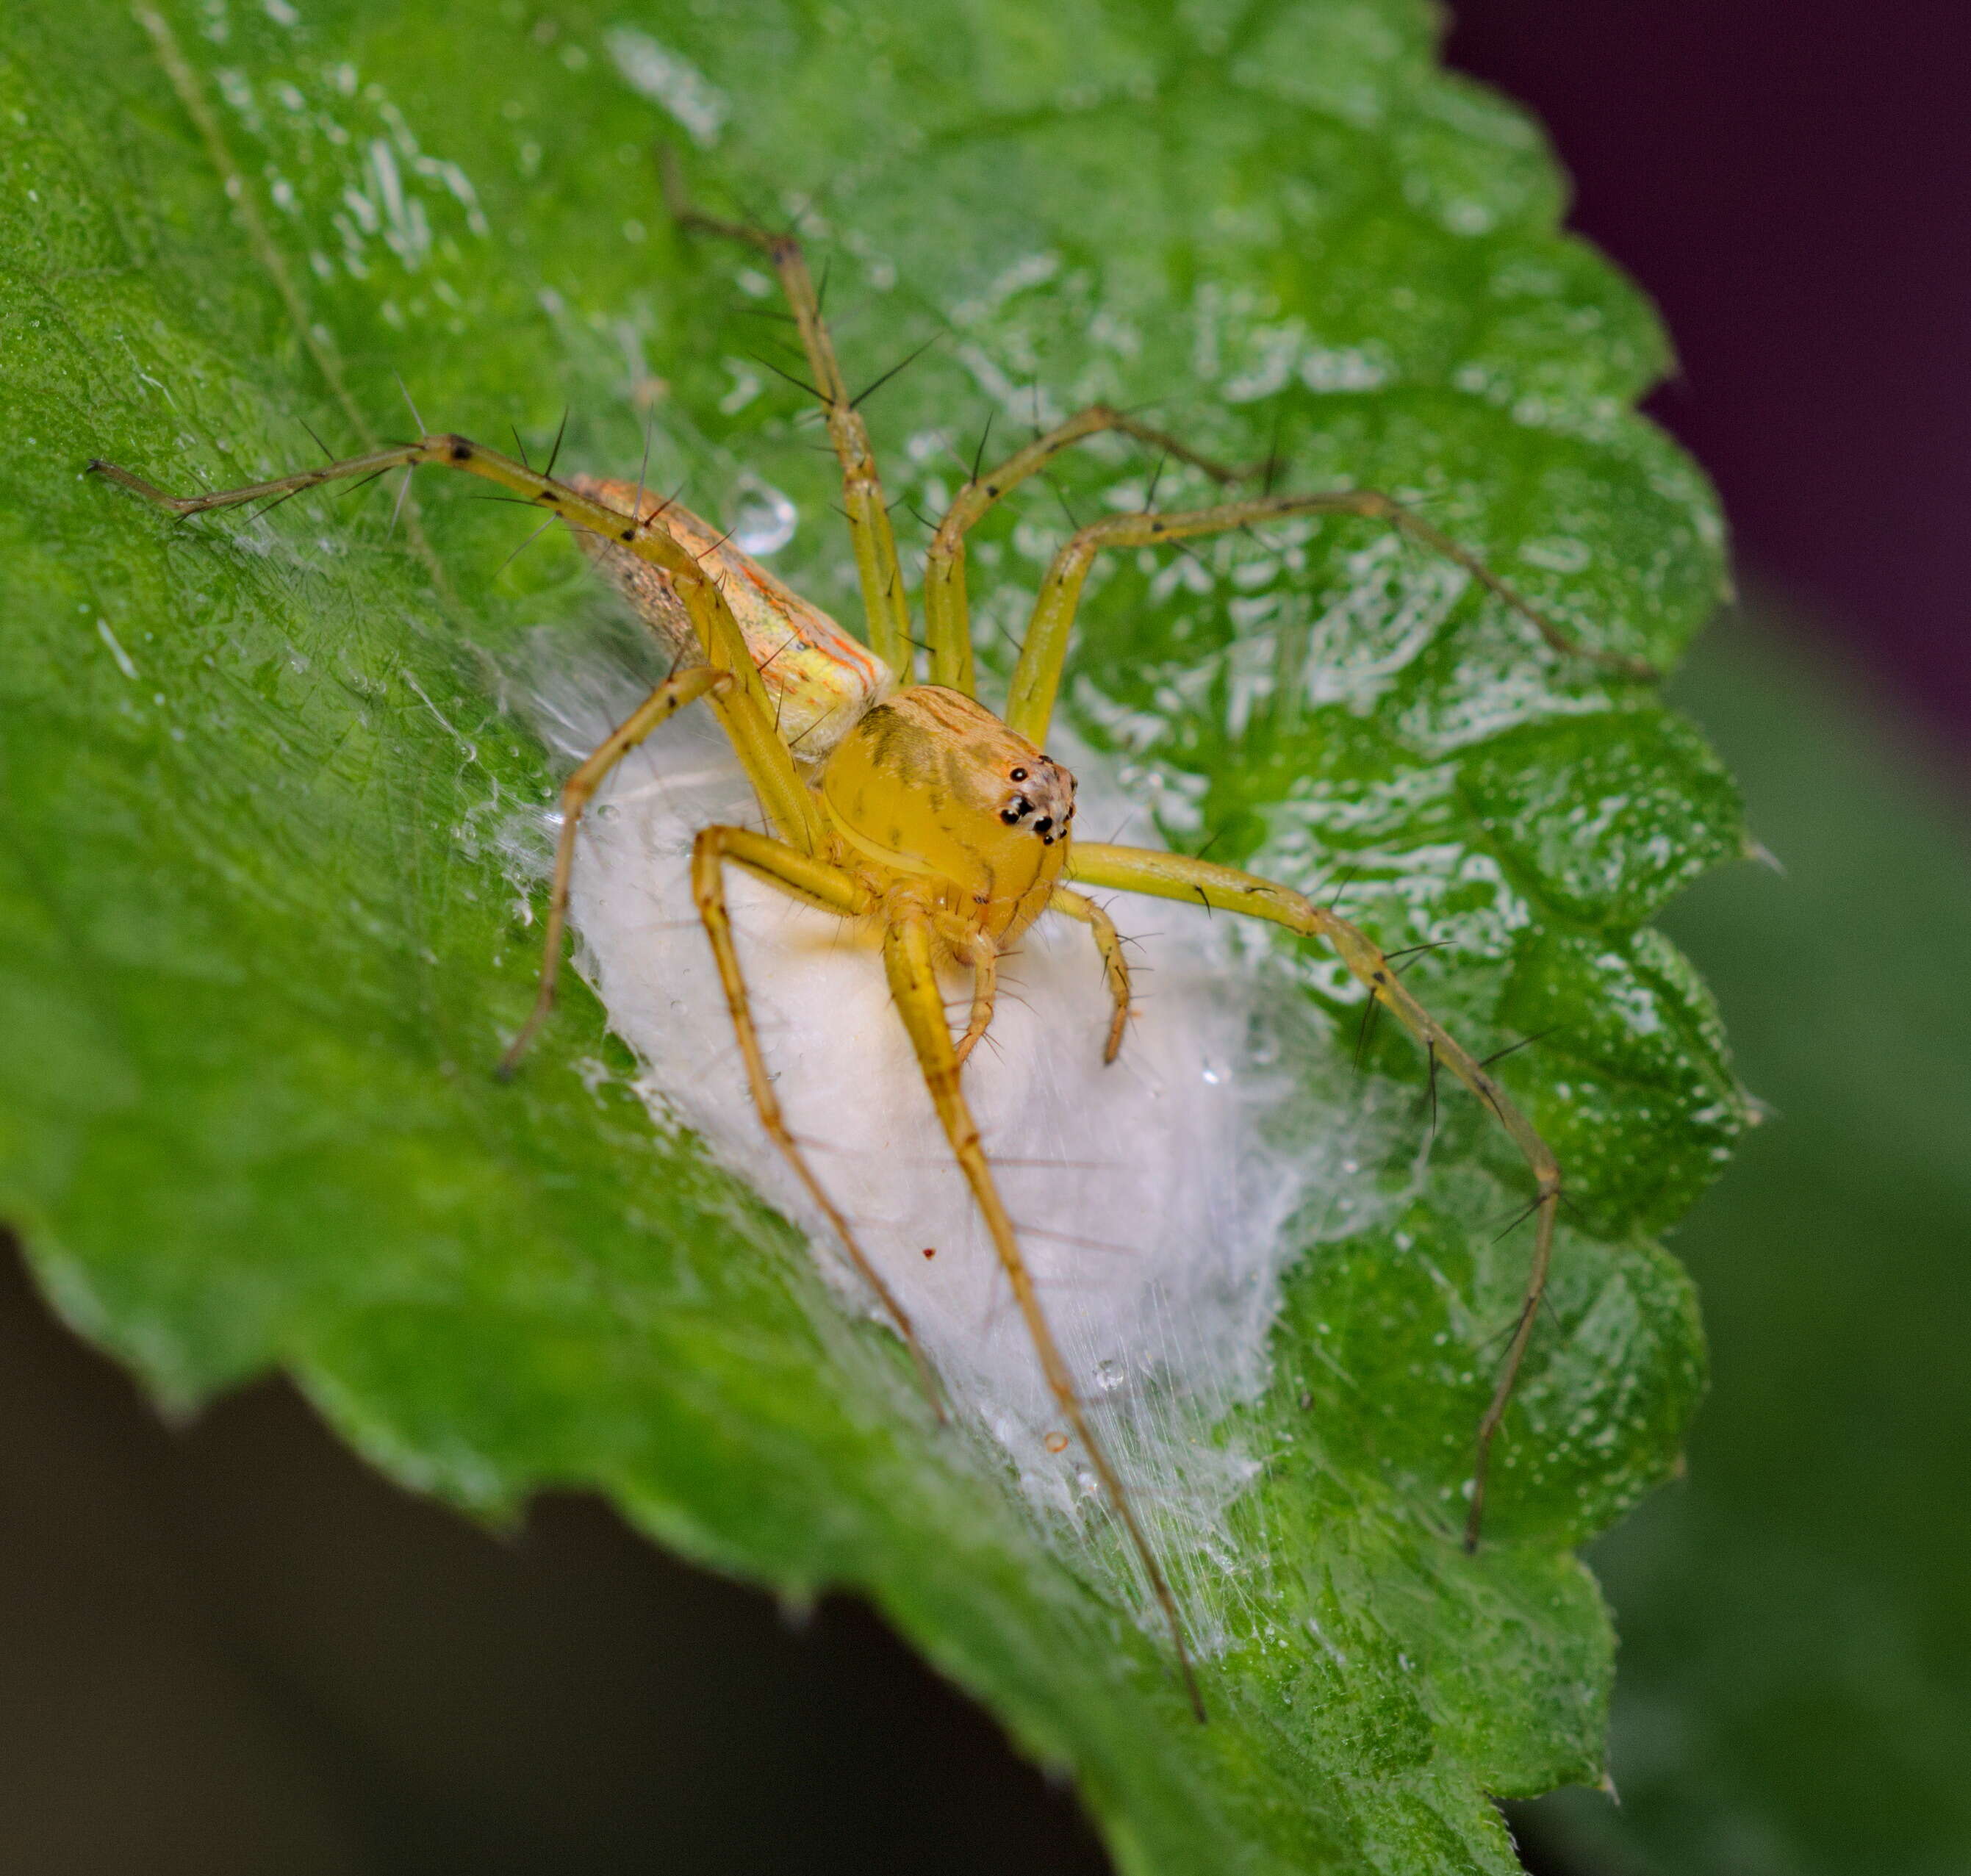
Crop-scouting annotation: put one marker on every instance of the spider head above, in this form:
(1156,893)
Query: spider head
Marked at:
(1038,798)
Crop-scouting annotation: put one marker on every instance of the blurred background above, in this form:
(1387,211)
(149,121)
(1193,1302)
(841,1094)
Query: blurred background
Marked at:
(288,1665)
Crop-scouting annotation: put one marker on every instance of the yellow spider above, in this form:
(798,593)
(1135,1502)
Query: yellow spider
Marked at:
(913,806)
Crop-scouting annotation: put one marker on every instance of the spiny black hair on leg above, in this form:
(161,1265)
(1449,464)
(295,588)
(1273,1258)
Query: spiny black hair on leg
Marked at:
(1518,1218)
(358,487)
(1373,1009)
(1412,951)
(1514,1048)
(397,507)
(416,418)
(799,384)
(870,390)
(524,546)
(554,454)
(1273,463)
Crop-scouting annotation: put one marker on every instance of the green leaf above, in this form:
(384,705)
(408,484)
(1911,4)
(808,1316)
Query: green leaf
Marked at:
(258,946)
(1797,1617)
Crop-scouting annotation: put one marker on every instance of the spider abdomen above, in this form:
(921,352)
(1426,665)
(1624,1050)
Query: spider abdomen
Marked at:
(930,783)
(820,679)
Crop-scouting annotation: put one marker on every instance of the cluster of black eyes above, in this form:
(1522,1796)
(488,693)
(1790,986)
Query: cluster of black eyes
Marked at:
(1021,807)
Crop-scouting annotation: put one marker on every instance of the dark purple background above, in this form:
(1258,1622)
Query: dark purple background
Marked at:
(1793,186)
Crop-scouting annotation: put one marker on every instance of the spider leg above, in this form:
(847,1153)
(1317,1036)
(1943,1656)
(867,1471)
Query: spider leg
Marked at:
(947,622)
(1115,966)
(978,950)
(869,532)
(909,957)
(742,707)
(802,876)
(659,708)
(1177,876)
(1036,677)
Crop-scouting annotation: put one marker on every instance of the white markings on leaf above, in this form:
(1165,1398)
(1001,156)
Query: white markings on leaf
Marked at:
(666,78)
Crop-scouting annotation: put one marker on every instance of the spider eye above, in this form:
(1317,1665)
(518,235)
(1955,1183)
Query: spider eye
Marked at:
(1016,775)
(1042,824)
(1010,815)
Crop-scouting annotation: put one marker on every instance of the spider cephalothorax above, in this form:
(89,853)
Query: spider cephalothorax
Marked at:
(914,810)
(924,784)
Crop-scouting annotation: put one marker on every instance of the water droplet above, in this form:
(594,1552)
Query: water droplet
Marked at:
(763,519)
